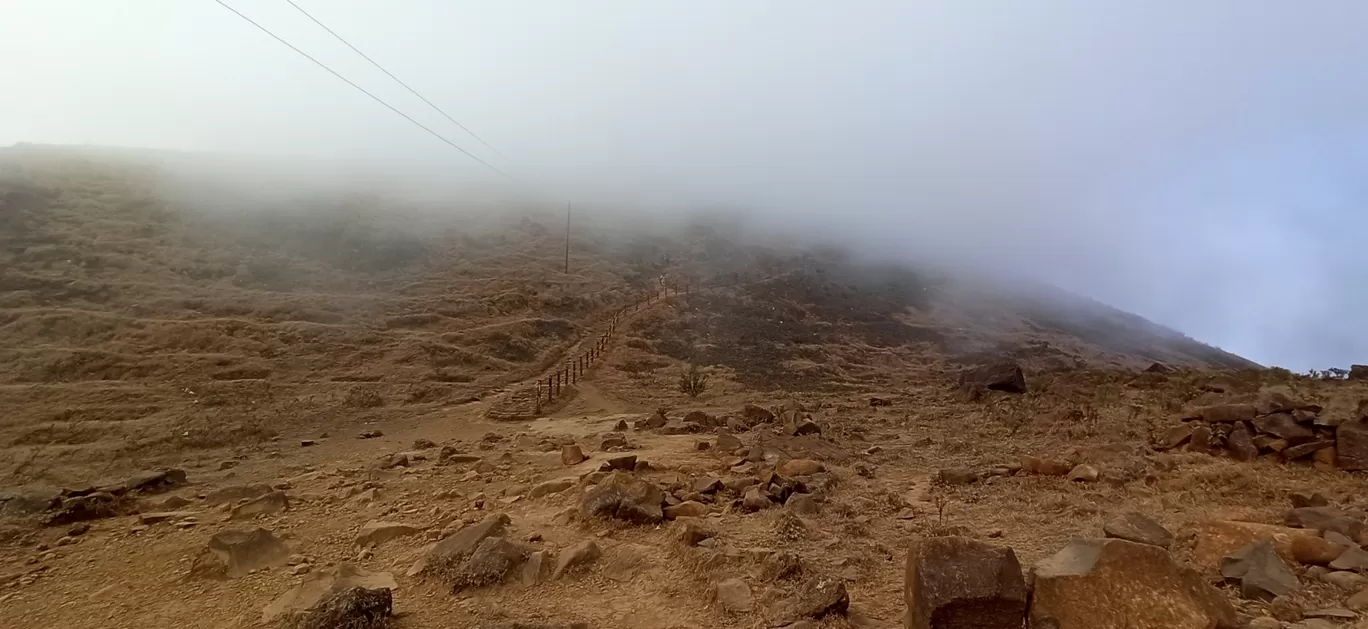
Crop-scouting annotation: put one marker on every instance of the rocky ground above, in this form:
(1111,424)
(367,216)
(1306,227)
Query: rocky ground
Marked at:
(193,440)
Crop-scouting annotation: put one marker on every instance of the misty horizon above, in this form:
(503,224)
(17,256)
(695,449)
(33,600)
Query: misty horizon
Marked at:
(1194,165)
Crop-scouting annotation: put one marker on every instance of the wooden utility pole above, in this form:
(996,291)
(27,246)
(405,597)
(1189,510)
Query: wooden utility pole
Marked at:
(567,237)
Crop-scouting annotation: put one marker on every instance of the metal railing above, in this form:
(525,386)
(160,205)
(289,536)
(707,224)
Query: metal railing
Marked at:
(553,385)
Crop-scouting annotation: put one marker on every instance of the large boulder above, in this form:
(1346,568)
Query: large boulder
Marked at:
(1358,372)
(453,550)
(235,553)
(958,582)
(323,585)
(1116,584)
(1003,376)
(625,497)
(1351,445)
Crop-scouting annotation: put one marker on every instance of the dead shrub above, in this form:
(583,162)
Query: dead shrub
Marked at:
(693,381)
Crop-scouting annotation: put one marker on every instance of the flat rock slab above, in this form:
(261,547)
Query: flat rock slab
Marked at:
(1138,528)
(1116,584)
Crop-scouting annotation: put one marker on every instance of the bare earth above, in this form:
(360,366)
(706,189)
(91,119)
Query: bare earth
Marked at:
(136,334)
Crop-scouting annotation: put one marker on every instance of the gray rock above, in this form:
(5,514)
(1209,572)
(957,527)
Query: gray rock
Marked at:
(1261,573)
(1353,558)
(1139,528)
(816,598)
(1326,519)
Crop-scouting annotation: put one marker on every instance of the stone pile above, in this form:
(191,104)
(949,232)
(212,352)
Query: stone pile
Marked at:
(1275,424)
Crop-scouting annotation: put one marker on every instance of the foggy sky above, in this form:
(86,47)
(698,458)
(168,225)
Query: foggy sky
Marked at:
(1198,163)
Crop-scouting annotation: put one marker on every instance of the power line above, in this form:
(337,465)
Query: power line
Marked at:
(396,79)
(361,89)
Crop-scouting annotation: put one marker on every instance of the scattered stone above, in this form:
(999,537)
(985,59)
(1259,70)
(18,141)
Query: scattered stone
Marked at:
(157,517)
(655,420)
(572,455)
(1092,584)
(1345,580)
(375,532)
(537,568)
(708,485)
(957,476)
(1313,623)
(727,443)
(1335,613)
(625,497)
(274,502)
(806,426)
(323,585)
(801,504)
(370,434)
(626,462)
(612,440)
(1301,499)
(173,503)
(1138,528)
(756,500)
(1084,473)
(1044,467)
(551,487)
(1358,601)
(1312,550)
(691,533)
(816,598)
(493,561)
(957,582)
(621,425)
(78,529)
(733,595)
(687,509)
(234,493)
(1174,437)
(580,554)
(1261,573)
(1202,439)
(801,467)
(702,446)
(756,414)
(457,547)
(236,553)
(780,565)
(1353,558)
(1264,622)
(1325,519)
